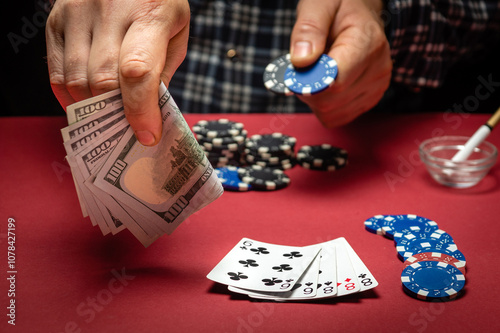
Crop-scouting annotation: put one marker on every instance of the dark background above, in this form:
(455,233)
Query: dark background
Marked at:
(26,89)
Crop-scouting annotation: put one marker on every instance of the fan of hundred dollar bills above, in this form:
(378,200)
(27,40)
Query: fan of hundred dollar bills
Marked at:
(122,184)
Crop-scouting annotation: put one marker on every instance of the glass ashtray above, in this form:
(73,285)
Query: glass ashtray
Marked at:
(437,154)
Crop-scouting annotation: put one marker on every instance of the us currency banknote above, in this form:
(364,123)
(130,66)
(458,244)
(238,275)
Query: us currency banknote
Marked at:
(122,184)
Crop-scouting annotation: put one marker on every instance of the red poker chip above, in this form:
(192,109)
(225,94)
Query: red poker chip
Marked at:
(435,256)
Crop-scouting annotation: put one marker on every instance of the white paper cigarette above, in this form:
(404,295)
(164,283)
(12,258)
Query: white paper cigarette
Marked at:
(477,138)
(472,143)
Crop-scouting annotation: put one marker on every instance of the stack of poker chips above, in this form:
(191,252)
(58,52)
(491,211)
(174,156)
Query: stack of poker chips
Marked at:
(434,268)
(259,162)
(323,157)
(222,140)
(274,150)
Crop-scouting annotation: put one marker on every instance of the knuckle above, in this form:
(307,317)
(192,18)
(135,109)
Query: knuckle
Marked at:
(136,65)
(307,26)
(56,78)
(76,83)
(104,81)
(103,76)
(150,11)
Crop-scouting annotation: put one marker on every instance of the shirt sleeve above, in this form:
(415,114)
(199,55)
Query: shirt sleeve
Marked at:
(428,37)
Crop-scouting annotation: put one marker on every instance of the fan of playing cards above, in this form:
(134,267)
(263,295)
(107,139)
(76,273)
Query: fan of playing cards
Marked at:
(290,273)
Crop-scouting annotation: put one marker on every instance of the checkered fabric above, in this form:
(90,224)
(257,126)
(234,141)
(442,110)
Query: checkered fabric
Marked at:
(428,37)
(232,41)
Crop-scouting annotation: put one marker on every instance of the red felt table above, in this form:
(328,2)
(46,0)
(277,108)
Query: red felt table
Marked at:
(70,278)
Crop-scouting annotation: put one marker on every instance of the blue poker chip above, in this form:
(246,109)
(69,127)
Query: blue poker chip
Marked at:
(422,242)
(230,180)
(432,280)
(313,79)
(436,234)
(407,223)
(450,250)
(374,224)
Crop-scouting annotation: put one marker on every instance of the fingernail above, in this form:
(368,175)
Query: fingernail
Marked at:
(302,49)
(146,138)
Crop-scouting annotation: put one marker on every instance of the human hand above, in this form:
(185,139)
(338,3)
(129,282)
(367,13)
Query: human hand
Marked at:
(94,46)
(350,32)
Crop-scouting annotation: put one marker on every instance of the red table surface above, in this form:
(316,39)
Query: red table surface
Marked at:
(70,278)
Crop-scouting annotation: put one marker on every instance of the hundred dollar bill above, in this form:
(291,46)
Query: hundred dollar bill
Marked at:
(111,104)
(165,183)
(86,108)
(87,161)
(89,123)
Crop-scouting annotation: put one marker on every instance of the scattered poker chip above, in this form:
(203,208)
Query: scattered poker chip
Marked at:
(255,155)
(322,157)
(435,234)
(451,250)
(423,242)
(270,143)
(282,166)
(432,280)
(218,128)
(374,224)
(220,148)
(436,256)
(420,243)
(274,75)
(313,79)
(270,159)
(223,141)
(407,223)
(263,178)
(243,133)
(230,179)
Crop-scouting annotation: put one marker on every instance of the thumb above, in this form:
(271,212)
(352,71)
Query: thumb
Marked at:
(311,31)
(141,63)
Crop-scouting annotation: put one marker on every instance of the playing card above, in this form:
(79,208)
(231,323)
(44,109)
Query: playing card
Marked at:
(305,287)
(365,278)
(327,278)
(262,266)
(347,282)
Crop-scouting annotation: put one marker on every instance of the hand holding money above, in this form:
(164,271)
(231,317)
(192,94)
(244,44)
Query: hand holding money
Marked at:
(123,184)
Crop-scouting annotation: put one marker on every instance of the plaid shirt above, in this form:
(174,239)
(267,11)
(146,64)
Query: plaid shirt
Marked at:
(232,41)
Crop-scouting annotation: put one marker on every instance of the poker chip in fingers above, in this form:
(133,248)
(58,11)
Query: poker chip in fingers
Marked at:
(274,75)
(313,79)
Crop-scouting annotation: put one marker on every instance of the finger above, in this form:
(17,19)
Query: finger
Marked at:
(55,59)
(104,55)
(177,48)
(77,42)
(351,105)
(141,62)
(311,30)
(356,48)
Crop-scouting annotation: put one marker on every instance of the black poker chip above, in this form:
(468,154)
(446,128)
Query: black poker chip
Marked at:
(269,159)
(218,128)
(274,75)
(222,141)
(263,178)
(274,143)
(231,147)
(322,157)
(285,165)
